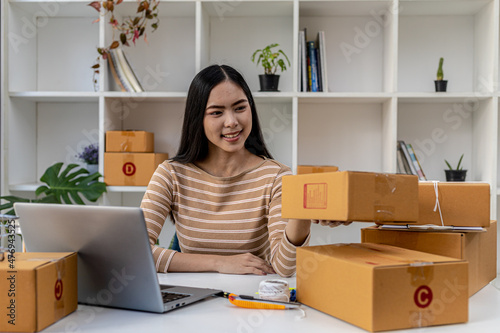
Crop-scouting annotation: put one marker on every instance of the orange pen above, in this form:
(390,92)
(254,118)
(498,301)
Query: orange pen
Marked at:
(250,302)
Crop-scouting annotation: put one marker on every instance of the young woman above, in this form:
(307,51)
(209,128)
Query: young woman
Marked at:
(222,189)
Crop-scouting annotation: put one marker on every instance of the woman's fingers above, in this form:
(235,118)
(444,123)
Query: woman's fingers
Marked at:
(331,224)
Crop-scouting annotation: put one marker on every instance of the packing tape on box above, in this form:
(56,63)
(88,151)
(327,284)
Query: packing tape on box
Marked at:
(59,288)
(385,185)
(58,285)
(129,178)
(437,205)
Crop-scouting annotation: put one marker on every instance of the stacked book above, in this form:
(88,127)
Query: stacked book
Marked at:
(408,162)
(122,71)
(312,63)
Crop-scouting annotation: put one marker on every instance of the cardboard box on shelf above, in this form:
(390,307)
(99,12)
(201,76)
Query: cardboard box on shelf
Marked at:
(380,287)
(302,169)
(351,196)
(462,203)
(131,169)
(130,141)
(37,289)
(478,248)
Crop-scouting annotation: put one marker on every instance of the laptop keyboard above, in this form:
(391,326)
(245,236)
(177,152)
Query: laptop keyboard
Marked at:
(168,297)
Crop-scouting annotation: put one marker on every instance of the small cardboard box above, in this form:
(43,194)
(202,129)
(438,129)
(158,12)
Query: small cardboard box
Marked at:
(130,141)
(380,287)
(462,204)
(131,169)
(37,290)
(302,169)
(351,196)
(478,248)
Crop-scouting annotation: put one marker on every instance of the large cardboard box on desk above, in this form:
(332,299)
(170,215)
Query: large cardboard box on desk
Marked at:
(37,290)
(462,204)
(131,169)
(380,287)
(130,141)
(478,248)
(350,196)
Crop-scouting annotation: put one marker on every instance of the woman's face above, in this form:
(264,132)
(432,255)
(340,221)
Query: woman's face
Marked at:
(228,118)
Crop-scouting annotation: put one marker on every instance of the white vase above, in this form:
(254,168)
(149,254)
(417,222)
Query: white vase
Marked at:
(92,168)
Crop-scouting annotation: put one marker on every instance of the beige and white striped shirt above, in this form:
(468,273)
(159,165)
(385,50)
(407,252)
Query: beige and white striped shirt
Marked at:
(220,215)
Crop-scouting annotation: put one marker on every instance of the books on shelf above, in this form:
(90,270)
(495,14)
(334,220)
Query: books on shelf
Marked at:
(407,161)
(312,66)
(122,71)
(312,63)
(320,41)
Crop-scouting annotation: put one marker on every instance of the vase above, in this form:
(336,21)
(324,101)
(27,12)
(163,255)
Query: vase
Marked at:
(92,168)
(455,175)
(440,85)
(269,82)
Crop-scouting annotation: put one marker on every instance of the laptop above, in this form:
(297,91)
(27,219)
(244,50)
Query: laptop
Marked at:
(115,263)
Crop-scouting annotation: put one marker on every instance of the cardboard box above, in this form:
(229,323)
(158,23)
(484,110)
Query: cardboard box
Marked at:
(380,287)
(37,290)
(130,141)
(131,169)
(351,196)
(478,248)
(302,169)
(462,204)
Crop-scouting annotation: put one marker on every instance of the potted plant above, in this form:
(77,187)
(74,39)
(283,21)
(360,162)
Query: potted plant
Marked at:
(70,185)
(439,83)
(90,155)
(455,174)
(271,61)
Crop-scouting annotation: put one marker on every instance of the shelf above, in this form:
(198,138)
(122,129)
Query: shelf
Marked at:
(55,96)
(28,187)
(441,97)
(74,8)
(326,98)
(343,8)
(128,189)
(382,57)
(441,8)
(31,187)
(259,8)
(147,96)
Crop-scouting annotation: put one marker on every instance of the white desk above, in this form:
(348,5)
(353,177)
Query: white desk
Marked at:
(218,315)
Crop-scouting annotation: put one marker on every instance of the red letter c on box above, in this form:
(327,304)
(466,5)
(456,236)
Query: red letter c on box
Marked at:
(423,296)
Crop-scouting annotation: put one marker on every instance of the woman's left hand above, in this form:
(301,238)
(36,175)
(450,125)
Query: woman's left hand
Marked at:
(331,224)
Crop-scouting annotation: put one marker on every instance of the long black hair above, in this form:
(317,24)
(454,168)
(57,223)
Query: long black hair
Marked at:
(194,142)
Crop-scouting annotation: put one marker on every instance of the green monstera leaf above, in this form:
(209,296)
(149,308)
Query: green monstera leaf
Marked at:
(62,187)
(11,199)
(67,186)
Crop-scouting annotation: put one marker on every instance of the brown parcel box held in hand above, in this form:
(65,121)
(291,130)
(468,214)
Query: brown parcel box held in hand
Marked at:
(131,169)
(380,287)
(350,196)
(462,204)
(38,290)
(130,141)
(478,248)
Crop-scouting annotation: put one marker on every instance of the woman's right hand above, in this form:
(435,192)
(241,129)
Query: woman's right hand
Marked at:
(245,263)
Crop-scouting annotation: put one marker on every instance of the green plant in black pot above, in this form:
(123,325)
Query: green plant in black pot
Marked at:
(440,84)
(455,174)
(270,61)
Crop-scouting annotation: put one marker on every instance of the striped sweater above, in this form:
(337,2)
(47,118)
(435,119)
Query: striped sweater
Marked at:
(220,215)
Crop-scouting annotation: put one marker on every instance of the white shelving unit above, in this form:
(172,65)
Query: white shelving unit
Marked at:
(382,60)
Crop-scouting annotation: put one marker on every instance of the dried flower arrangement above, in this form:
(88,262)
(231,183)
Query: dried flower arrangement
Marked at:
(131,29)
(90,154)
